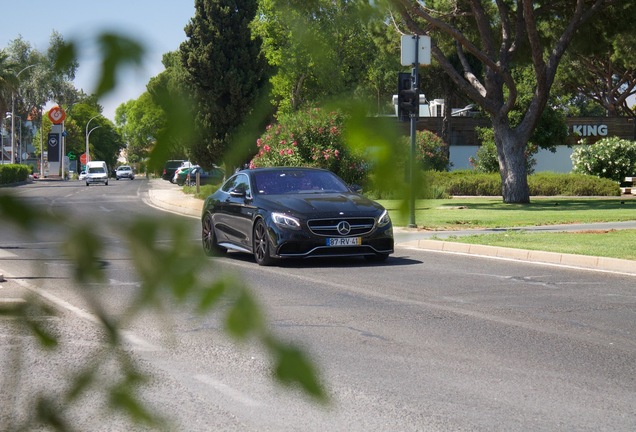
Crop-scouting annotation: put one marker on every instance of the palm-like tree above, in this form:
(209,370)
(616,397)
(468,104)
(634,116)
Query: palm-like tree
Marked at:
(8,81)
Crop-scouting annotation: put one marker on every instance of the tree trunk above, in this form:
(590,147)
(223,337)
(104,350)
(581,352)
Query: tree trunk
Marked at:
(512,163)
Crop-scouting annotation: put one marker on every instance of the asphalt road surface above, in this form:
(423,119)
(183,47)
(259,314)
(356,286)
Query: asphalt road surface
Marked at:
(426,341)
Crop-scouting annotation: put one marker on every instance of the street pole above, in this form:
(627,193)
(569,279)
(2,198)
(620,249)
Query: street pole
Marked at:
(87,134)
(414,116)
(13,114)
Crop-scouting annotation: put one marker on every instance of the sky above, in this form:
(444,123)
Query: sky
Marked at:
(157,24)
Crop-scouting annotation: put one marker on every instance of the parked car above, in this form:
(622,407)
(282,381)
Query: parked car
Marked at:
(169,168)
(82,175)
(212,176)
(276,213)
(124,171)
(180,175)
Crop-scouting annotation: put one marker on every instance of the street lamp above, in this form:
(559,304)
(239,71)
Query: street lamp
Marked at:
(13,116)
(87,134)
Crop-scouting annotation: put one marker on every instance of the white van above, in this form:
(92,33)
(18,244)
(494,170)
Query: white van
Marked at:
(96,172)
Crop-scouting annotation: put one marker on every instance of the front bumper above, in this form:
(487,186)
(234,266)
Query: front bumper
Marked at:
(302,244)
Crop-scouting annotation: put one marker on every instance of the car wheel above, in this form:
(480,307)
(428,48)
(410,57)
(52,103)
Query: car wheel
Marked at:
(260,246)
(208,238)
(87,183)
(106,184)
(116,178)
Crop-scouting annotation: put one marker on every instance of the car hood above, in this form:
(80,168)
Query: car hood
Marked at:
(348,204)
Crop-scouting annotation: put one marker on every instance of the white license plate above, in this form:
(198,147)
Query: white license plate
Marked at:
(345,241)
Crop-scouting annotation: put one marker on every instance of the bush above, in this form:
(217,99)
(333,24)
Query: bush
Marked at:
(310,138)
(472,183)
(612,158)
(13,173)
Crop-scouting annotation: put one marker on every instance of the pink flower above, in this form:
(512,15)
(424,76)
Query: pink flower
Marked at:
(290,151)
(267,148)
(294,143)
(282,152)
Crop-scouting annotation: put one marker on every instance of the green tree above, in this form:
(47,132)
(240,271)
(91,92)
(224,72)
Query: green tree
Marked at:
(320,49)
(138,121)
(502,35)
(602,68)
(8,81)
(226,71)
(171,92)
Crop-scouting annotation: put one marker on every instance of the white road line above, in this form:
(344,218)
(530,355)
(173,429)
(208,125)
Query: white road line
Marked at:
(228,391)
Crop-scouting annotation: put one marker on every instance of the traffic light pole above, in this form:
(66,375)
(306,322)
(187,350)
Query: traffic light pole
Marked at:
(414,117)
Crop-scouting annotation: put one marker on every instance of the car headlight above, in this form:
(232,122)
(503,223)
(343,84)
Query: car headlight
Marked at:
(285,221)
(384,219)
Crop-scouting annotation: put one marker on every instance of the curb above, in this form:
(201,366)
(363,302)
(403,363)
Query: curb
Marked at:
(555,258)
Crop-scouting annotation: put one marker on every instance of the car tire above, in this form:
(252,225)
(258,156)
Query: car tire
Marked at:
(260,244)
(208,238)
(116,178)
(87,183)
(106,184)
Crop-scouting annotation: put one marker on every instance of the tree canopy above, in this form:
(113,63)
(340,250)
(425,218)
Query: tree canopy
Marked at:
(225,70)
(502,36)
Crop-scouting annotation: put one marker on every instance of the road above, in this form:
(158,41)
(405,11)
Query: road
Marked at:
(424,342)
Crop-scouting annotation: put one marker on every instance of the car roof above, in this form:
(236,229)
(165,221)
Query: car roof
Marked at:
(282,168)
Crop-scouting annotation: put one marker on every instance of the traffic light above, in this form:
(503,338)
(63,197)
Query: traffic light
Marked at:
(408,96)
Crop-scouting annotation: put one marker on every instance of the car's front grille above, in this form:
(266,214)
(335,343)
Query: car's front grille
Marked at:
(329,227)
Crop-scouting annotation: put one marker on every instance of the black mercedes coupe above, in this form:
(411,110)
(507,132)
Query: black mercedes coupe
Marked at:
(284,212)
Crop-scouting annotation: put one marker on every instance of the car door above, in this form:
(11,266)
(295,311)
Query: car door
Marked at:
(235,212)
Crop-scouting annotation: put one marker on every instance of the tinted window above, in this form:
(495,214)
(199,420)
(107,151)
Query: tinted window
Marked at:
(297,181)
(238,181)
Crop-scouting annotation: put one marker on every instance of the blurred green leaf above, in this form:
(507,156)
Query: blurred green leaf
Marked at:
(117,51)
(293,367)
(66,55)
(244,316)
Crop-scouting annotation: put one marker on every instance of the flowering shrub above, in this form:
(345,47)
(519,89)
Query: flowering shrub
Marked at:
(431,151)
(310,138)
(611,158)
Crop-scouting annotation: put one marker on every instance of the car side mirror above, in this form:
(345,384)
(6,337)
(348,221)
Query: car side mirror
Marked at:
(356,188)
(238,192)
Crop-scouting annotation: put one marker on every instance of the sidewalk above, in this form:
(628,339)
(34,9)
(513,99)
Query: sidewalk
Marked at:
(170,197)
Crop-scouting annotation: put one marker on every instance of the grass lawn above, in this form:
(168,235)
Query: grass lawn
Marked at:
(466,213)
(463,213)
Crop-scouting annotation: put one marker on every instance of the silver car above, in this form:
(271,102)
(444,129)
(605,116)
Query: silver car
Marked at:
(124,171)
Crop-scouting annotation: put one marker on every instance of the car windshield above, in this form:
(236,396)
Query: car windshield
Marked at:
(297,181)
(96,170)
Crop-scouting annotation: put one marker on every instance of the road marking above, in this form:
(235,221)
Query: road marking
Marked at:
(228,391)
(137,342)
(6,254)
